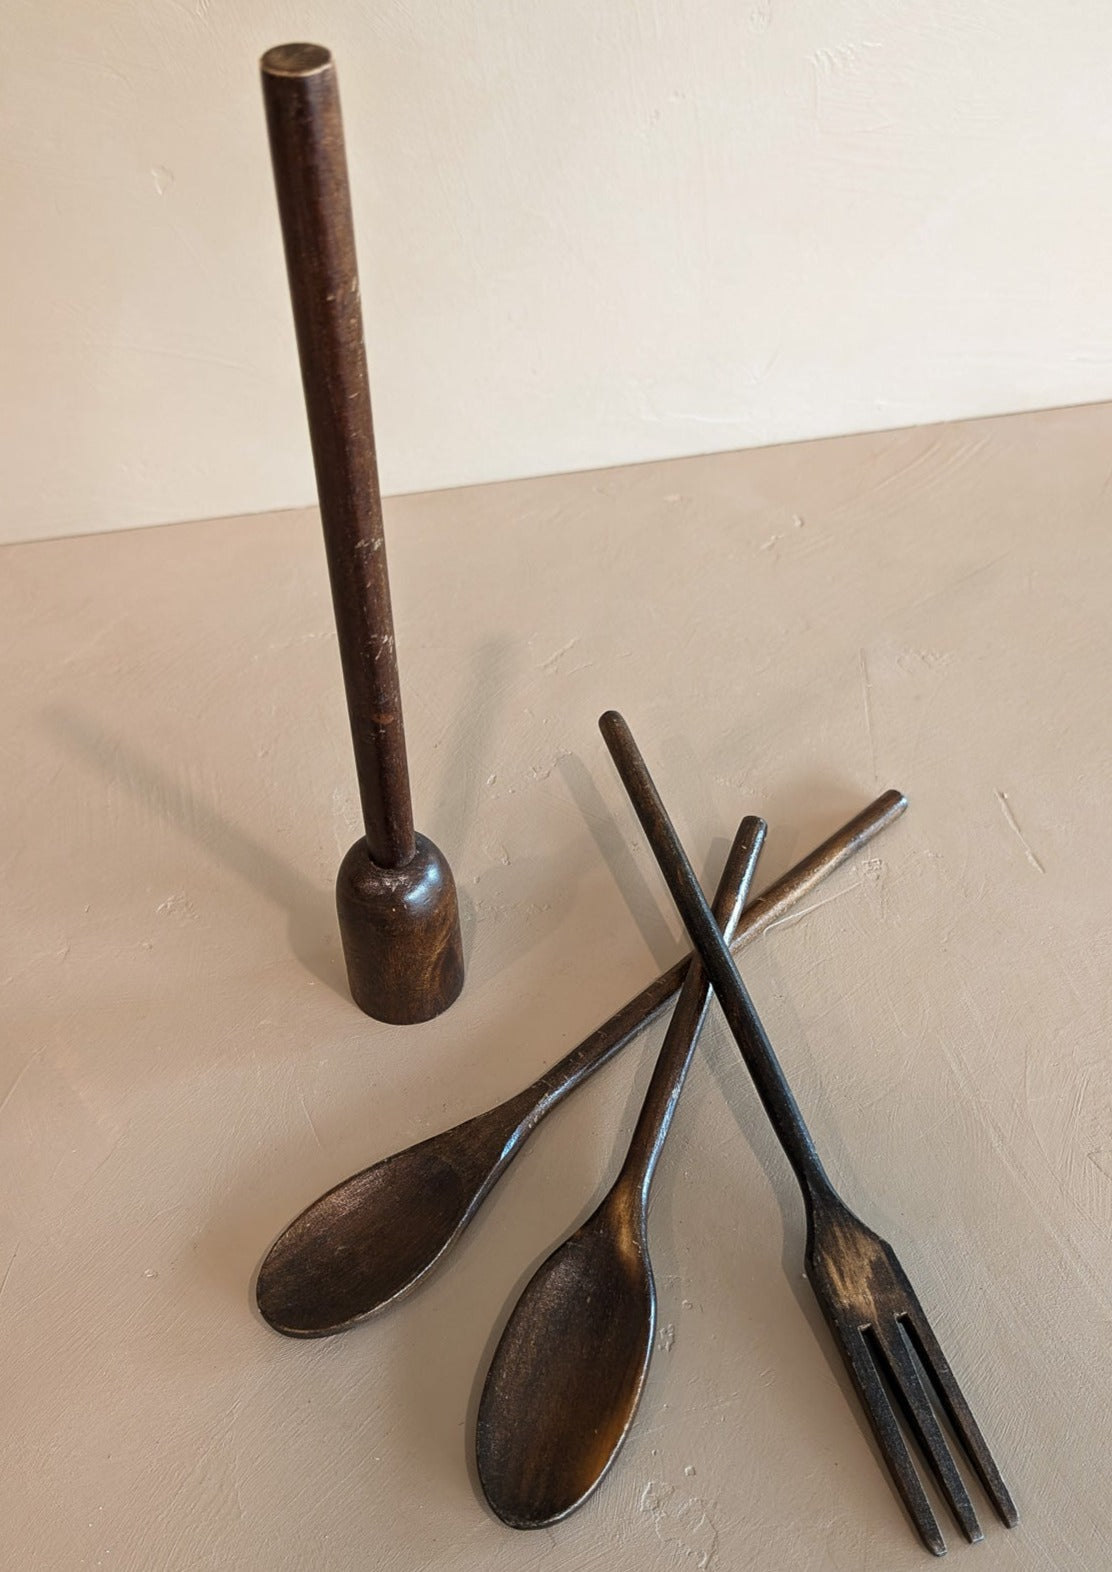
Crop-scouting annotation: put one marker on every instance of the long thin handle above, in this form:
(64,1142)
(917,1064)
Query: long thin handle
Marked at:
(756,1050)
(678,1047)
(310,174)
(771,906)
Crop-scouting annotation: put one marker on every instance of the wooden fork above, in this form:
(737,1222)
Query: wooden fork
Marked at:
(871,1308)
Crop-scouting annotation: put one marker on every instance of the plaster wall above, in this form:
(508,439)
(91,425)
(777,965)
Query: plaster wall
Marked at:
(588,234)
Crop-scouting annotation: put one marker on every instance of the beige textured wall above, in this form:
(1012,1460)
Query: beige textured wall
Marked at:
(589,234)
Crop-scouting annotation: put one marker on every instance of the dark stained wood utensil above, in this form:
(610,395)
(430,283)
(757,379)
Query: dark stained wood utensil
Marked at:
(877,1321)
(372,1238)
(567,1374)
(395,895)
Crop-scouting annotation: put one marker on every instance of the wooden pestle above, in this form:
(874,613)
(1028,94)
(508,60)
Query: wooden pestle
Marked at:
(395,895)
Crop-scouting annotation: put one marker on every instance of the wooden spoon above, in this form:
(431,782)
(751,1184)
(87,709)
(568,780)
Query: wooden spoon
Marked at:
(567,1375)
(375,1236)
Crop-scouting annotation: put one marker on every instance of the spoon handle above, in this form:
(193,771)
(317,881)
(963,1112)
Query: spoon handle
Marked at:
(678,1048)
(772,906)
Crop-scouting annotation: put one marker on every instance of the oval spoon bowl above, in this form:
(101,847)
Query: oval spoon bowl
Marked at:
(374,1237)
(604,1339)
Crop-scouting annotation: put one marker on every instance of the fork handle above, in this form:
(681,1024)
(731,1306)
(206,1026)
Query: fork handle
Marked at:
(741,1016)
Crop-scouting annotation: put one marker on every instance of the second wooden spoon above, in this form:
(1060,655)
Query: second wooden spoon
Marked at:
(567,1375)
(372,1238)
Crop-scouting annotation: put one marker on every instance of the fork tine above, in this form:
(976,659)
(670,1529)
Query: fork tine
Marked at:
(891,1350)
(874,1399)
(957,1410)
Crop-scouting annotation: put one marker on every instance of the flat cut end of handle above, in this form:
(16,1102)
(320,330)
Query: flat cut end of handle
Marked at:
(296,60)
(891,803)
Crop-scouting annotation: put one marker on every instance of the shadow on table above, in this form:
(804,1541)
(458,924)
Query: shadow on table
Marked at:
(611,839)
(311,908)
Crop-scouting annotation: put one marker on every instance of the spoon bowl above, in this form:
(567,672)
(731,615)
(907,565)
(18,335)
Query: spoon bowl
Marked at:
(597,1346)
(374,1237)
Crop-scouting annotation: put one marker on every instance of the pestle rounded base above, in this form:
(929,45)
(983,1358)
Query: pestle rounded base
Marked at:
(401,934)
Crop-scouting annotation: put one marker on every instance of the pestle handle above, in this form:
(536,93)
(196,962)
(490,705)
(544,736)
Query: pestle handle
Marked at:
(310,172)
